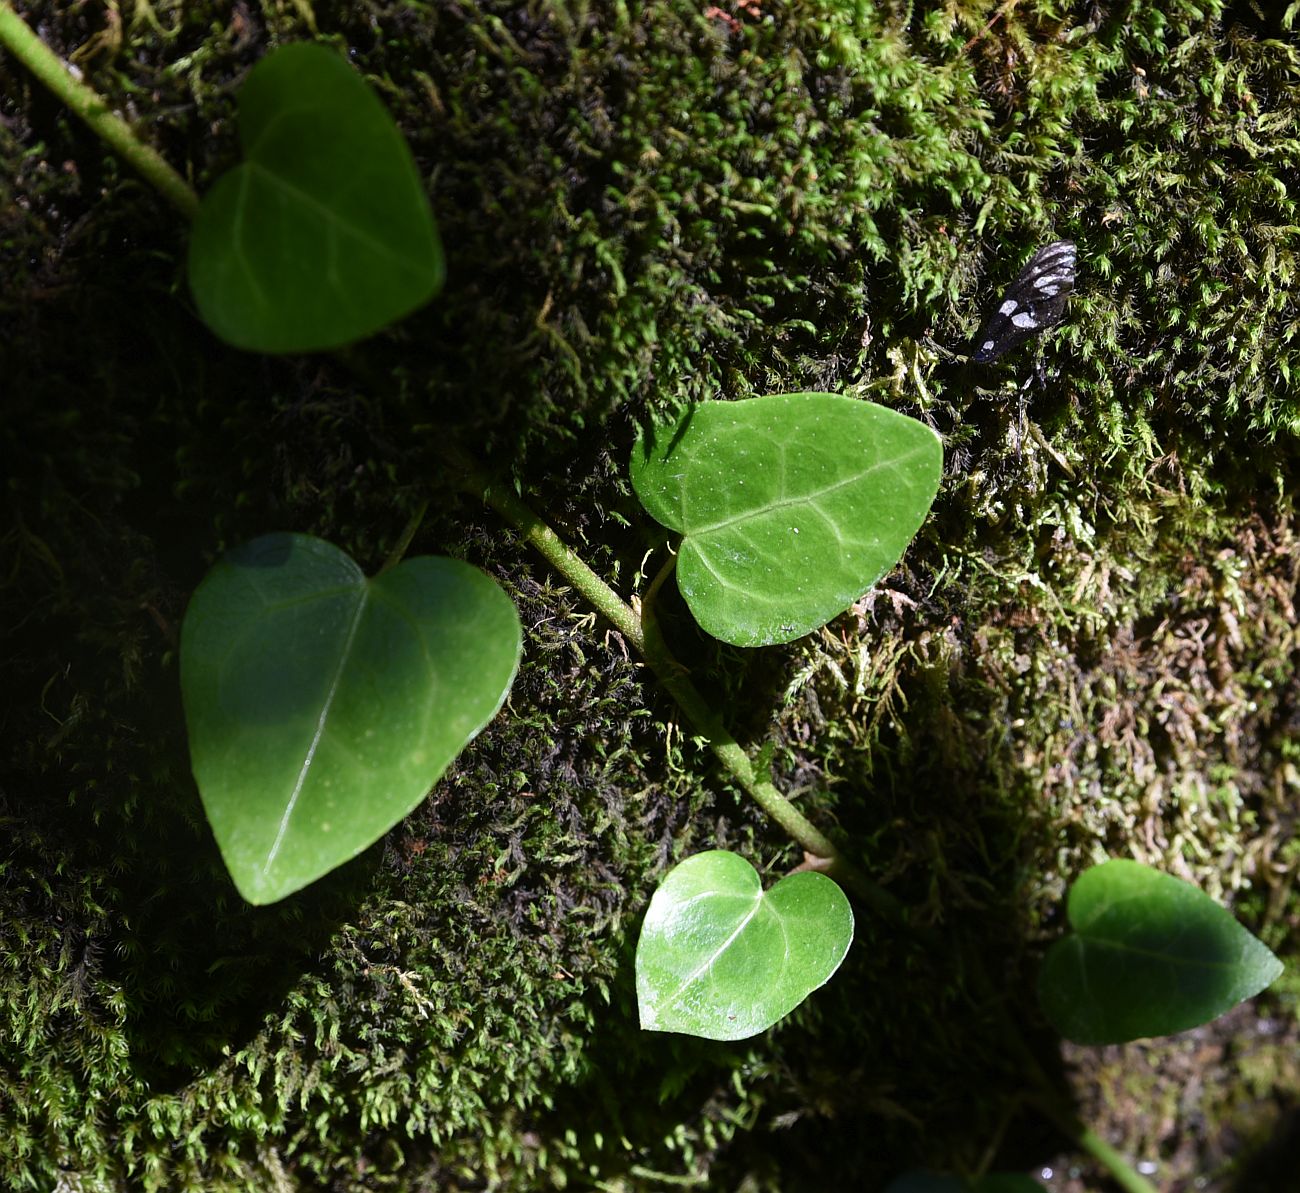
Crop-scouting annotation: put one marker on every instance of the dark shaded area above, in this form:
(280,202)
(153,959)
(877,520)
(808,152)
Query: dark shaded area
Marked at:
(1274,1165)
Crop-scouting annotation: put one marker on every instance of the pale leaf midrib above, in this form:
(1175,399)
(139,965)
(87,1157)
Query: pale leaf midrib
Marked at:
(310,756)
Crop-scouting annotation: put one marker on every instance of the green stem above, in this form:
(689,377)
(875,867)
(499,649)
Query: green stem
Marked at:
(408,533)
(1044,1096)
(1101,1151)
(1113,1162)
(17,37)
(732,755)
(557,553)
(642,632)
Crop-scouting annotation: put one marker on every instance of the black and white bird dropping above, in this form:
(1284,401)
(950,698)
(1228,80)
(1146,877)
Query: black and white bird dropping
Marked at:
(1033,302)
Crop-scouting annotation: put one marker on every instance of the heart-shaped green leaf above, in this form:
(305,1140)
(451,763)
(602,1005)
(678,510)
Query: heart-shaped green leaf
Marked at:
(323,234)
(321,706)
(790,506)
(1150,955)
(720,959)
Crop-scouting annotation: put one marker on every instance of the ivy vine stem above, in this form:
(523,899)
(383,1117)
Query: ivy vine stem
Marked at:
(1044,1096)
(640,630)
(21,41)
(403,543)
(1120,1170)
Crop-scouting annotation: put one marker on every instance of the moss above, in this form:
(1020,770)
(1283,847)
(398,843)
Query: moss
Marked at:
(1090,650)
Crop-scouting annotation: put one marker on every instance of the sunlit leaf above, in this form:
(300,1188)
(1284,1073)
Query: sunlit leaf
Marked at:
(790,507)
(721,959)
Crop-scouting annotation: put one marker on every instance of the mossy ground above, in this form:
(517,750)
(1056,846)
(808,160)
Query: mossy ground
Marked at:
(1089,651)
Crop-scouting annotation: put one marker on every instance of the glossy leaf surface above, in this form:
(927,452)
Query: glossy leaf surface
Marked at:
(721,959)
(1150,955)
(790,507)
(322,706)
(323,234)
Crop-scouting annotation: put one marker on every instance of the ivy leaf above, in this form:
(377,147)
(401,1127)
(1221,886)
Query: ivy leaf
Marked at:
(790,507)
(720,959)
(323,234)
(322,706)
(1150,955)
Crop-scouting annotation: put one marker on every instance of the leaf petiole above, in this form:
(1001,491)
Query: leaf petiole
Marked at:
(403,544)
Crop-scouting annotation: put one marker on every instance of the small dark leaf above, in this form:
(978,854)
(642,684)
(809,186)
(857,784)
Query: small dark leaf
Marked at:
(1150,955)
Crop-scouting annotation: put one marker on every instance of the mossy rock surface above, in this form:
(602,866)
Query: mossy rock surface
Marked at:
(1090,650)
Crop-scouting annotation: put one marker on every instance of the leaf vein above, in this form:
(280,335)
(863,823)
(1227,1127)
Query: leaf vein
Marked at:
(320,730)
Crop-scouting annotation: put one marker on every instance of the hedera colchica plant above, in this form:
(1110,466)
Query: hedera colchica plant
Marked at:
(722,959)
(1137,930)
(321,704)
(790,507)
(323,234)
